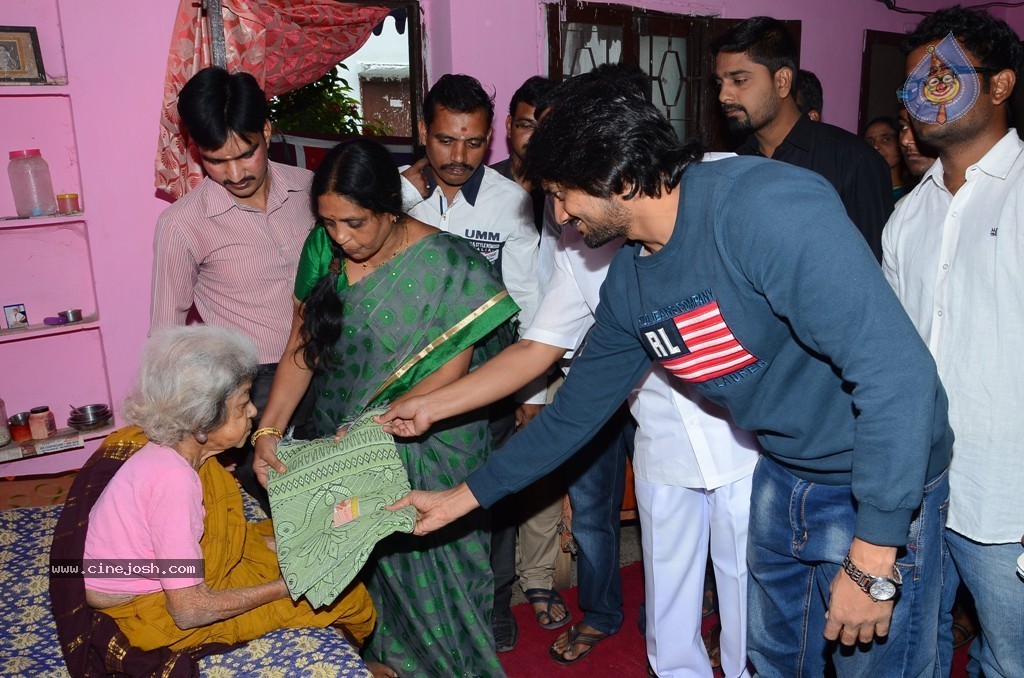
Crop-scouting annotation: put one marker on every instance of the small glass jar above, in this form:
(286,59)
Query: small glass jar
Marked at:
(18,423)
(41,422)
(5,431)
(67,203)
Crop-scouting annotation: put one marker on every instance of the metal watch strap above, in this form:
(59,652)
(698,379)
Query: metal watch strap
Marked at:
(865,580)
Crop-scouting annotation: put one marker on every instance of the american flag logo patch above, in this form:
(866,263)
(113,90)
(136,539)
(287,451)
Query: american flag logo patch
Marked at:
(698,345)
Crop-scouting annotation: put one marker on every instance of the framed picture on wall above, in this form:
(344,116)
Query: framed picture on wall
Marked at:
(15,315)
(20,58)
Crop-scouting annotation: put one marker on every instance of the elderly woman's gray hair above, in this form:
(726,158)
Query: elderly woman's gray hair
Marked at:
(185,378)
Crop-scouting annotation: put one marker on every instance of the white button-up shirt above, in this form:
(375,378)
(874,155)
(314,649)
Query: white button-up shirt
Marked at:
(955,261)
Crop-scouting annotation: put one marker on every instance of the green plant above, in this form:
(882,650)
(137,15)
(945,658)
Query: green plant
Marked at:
(325,106)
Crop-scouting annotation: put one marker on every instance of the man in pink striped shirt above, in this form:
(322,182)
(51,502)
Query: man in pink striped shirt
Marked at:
(231,246)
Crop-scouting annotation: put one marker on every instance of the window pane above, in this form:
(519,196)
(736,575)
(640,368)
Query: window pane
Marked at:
(586,46)
(664,59)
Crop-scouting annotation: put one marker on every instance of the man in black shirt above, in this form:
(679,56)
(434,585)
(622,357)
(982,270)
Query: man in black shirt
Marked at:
(755,67)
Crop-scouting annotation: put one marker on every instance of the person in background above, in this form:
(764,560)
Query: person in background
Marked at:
(166,501)
(387,306)
(758,261)
(917,157)
(538,509)
(883,135)
(809,97)
(755,68)
(953,256)
(519,124)
(230,246)
(451,189)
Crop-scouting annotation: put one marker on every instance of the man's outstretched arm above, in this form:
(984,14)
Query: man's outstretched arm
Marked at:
(501,376)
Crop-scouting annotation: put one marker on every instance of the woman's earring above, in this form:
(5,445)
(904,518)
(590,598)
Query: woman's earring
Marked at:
(200,437)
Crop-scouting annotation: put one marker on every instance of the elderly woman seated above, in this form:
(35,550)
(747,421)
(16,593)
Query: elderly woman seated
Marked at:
(168,504)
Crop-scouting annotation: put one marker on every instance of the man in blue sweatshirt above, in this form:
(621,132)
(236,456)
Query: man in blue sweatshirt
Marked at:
(729,287)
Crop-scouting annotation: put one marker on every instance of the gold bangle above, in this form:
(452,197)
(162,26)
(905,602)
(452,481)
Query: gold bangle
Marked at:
(266,431)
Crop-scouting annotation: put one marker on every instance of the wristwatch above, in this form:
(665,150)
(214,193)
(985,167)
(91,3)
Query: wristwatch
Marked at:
(879,588)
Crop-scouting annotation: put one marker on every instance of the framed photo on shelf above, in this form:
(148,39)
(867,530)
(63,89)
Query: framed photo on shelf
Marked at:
(16,317)
(20,58)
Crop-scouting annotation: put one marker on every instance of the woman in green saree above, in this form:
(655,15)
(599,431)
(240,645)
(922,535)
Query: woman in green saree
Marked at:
(387,306)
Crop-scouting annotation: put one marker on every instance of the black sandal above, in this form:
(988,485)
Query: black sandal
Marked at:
(589,640)
(548,598)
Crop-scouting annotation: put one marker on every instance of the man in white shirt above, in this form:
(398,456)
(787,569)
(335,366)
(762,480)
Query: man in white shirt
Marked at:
(452,189)
(953,252)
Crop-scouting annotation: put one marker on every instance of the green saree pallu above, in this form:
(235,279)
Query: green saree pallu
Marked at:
(401,323)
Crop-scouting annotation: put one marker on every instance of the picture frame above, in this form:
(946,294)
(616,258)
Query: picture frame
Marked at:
(16,316)
(21,60)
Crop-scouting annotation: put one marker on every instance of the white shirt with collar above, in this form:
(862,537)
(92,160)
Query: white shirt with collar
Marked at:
(683,439)
(955,261)
(496,216)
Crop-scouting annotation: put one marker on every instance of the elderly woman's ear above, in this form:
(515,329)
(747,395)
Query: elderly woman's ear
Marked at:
(200,437)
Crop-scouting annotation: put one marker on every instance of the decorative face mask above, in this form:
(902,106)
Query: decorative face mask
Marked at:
(943,86)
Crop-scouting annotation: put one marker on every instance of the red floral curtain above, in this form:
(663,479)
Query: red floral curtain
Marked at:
(285,44)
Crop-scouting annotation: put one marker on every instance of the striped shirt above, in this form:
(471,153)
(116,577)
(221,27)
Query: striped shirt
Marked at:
(236,263)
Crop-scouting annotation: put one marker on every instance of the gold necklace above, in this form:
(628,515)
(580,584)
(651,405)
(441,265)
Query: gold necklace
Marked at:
(405,241)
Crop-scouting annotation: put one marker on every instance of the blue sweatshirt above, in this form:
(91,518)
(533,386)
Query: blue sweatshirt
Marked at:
(770,302)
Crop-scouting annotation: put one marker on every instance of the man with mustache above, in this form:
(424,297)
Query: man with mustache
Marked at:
(451,189)
(952,254)
(755,69)
(230,247)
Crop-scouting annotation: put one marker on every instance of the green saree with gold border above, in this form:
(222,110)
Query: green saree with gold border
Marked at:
(401,323)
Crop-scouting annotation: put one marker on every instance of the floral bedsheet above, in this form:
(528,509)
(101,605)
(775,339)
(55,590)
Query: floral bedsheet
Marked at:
(28,633)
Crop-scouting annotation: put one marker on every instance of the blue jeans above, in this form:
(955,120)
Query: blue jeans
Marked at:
(799,535)
(596,476)
(990,573)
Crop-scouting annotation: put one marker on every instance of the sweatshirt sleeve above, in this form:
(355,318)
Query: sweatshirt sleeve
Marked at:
(818,275)
(602,376)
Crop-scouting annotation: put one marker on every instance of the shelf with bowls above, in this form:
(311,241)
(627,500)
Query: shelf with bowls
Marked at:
(33,222)
(89,322)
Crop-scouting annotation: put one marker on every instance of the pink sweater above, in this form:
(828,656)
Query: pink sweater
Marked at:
(149,513)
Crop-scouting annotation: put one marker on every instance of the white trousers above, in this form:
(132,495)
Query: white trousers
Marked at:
(677,525)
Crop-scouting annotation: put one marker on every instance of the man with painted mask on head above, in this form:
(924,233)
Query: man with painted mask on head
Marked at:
(952,254)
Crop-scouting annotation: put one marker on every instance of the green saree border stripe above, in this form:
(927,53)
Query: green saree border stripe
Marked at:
(461,336)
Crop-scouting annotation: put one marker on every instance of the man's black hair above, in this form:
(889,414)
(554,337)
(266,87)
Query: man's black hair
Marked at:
(991,41)
(215,103)
(630,79)
(764,40)
(459,93)
(809,96)
(604,141)
(530,92)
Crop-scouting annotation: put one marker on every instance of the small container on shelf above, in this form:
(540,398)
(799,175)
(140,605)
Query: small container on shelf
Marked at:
(20,431)
(41,422)
(67,203)
(31,184)
(5,431)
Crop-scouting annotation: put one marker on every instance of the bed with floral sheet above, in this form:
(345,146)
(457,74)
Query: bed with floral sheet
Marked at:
(28,633)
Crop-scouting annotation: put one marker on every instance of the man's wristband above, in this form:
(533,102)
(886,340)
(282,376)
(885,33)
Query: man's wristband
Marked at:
(266,431)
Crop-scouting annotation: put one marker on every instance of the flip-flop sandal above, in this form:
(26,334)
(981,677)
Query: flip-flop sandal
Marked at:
(577,637)
(548,598)
(961,635)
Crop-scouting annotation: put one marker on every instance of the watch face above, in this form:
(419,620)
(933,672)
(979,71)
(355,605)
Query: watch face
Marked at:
(882,589)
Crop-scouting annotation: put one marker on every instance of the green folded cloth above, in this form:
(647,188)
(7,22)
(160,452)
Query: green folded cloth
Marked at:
(329,510)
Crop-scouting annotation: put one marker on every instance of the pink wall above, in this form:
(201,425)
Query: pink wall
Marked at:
(116,52)
(503,43)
